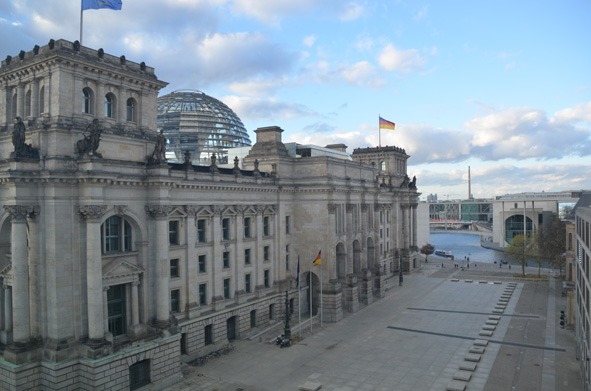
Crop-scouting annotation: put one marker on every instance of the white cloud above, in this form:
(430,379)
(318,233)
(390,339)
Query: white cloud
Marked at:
(422,13)
(257,87)
(363,44)
(351,11)
(363,74)
(309,40)
(403,61)
(250,108)
(581,112)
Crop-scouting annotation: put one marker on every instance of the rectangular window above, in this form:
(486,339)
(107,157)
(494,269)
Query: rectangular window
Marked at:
(266,226)
(175,300)
(139,374)
(226,288)
(202,294)
(247,227)
(174,268)
(253,318)
(247,256)
(225,229)
(202,260)
(267,279)
(266,253)
(287,221)
(286,261)
(173,232)
(247,283)
(271,311)
(116,311)
(226,258)
(201,237)
(208,334)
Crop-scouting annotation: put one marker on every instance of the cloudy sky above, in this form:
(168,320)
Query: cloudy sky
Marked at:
(501,86)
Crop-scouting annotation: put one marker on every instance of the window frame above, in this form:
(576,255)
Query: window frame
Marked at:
(226,228)
(247,283)
(202,231)
(247,228)
(130,110)
(174,232)
(203,294)
(247,256)
(175,300)
(227,287)
(139,374)
(110,105)
(122,238)
(175,268)
(201,269)
(267,278)
(226,259)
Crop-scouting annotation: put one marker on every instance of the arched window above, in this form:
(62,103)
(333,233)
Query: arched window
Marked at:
(383,166)
(110,105)
(42,100)
(115,235)
(87,100)
(131,110)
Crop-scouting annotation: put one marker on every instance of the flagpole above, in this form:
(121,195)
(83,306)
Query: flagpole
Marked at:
(299,300)
(379,133)
(311,283)
(321,294)
(81,21)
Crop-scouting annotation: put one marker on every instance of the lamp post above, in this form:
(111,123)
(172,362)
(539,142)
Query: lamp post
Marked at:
(287,330)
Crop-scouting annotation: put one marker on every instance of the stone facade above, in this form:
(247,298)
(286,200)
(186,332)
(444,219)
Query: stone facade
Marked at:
(115,265)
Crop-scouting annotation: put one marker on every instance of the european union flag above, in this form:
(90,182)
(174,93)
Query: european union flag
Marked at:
(97,4)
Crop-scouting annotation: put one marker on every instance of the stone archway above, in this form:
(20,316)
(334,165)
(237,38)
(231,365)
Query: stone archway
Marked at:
(371,255)
(356,257)
(341,262)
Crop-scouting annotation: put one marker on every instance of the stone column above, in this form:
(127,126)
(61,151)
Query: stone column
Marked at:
(405,226)
(122,103)
(20,100)
(215,264)
(414,224)
(259,278)
(33,266)
(162,266)
(78,100)
(7,307)
(99,102)
(135,303)
(46,92)
(191,274)
(239,250)
(35,98)
(94,272)
(106,308)
(20,272)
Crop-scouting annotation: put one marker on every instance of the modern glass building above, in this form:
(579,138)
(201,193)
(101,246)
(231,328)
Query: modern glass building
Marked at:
(195,122)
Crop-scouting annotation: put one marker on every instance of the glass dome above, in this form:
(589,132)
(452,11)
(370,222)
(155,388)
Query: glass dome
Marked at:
(195,122)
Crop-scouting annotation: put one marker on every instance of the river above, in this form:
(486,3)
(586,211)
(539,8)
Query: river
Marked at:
(464,245)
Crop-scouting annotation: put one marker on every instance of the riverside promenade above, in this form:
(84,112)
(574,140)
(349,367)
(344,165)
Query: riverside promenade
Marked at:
(443,329)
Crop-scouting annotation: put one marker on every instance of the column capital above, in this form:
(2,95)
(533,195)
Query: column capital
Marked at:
(239,209)
(20,213)
(158,211)
(92,213)
(350,208)
(404,206)
(120,210)
(332,208)
(191,210)
(364,207)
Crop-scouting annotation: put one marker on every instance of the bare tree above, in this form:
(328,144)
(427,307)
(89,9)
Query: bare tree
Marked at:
(519,251)
(550,242)
(427,249)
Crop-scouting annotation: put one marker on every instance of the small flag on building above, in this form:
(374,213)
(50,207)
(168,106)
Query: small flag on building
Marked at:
(97,4)
(385,124)
(318,259)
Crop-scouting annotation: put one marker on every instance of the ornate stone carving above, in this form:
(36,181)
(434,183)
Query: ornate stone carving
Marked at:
(159,153)
(92,212)
(364,207)
(19,213)
(350,208)
(236,169)
(90,143)
(332,208)
(216,210)
(21,149)
(256,171)
(213,167)
(120,209)
(191,210)
(240,209)
(260,209)
(158,211)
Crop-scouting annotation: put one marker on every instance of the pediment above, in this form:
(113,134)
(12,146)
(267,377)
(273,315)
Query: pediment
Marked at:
(6,274)
(121,271)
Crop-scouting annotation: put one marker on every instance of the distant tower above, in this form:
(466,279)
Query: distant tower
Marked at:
(469,185)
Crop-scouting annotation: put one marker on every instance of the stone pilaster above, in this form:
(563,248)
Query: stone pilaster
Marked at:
(160,214)
(191,274)
(352,294)
(94,273)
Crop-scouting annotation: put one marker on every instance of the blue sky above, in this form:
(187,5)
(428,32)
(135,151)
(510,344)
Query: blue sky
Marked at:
(503,87)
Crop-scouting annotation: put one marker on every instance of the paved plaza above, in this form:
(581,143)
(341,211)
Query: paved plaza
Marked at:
(445,328)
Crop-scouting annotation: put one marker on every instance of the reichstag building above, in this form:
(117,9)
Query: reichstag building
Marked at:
(118,263)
